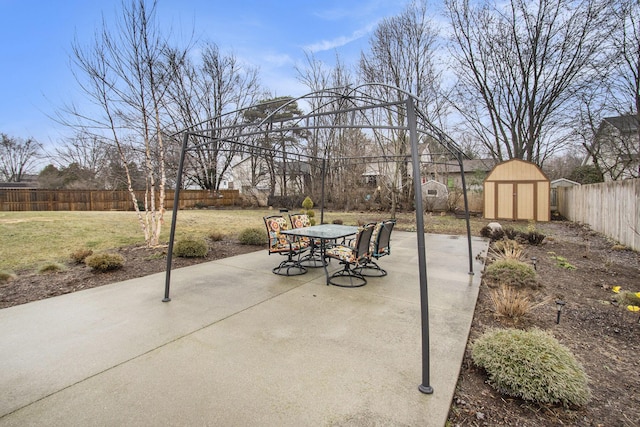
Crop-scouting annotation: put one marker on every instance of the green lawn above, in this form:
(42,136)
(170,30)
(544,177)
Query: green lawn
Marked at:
(29,239)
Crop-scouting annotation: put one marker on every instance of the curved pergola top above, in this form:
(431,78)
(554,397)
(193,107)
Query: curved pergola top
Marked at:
(330,108)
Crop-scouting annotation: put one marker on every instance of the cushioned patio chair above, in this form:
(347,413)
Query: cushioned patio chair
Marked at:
(284,245)
(351,257)
(314,258)
(380,246)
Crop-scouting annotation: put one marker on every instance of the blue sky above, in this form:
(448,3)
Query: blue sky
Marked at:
(36,39)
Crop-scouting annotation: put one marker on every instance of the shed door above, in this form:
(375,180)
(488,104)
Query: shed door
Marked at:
(504,201)
(525,200)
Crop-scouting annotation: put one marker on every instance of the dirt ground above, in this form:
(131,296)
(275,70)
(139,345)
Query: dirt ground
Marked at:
(604,337)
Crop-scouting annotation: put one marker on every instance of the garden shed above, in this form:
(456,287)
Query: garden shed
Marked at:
(517,190)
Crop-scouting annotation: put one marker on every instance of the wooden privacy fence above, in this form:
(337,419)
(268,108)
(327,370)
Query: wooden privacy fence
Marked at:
(14,199)
(611,208)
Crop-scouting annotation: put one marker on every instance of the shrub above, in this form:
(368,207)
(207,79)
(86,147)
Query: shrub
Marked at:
(253,236)
(190,248)
(5,276)
(511,272)
(511,233)
(216,236)
(510,303)
(307,205)
(531,365)
(79,256)
(104,262)
(52,267)
(490,233)
(508,249)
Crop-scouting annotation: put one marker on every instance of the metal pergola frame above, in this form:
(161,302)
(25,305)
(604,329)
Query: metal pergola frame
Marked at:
(340,100)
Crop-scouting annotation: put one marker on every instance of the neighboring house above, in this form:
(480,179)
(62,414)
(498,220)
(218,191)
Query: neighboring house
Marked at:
(616,145)
(252,174)
(28,182)
(449,173)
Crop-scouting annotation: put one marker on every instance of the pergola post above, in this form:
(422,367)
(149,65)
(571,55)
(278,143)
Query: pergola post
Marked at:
(425,386)
(174,218)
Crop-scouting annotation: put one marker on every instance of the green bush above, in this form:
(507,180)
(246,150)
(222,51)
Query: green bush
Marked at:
(52,267)
(253,236)
(190,248)
(104,262)
(511,272)
(531,365)
(79,256)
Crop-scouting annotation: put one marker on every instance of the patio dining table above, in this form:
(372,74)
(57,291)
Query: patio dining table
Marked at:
(324,233)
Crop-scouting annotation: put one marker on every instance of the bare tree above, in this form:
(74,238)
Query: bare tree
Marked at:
(119,74)
(17,156)
(207,96)
(520,67)
(402,54)
(86,150)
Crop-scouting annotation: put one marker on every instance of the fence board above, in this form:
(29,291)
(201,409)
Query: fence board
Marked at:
(19,199)
(611,208)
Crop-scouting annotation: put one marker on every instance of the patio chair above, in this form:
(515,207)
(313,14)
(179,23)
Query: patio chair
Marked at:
(284,245)
(351,257)
(314,258)
(380,246)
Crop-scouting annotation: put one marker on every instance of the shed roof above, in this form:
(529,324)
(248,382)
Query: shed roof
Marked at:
(516,170)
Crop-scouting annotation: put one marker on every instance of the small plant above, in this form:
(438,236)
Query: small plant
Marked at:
(216,236)
(562,261)
(190,248)
(510,303)
(533,236)
(531,365)
(252,236)
(52,267)
(511,233)
(493,234)
(507,249)
(5,276)
(630,300)
(511,272)
(79,256)
(104,262)
(307,205)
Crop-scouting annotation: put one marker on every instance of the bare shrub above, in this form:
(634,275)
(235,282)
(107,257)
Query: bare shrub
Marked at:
(510,303)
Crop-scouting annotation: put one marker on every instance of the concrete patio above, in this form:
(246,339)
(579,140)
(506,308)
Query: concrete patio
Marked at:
(239,346)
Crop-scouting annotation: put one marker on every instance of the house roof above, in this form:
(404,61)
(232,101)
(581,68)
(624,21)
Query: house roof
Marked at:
(627,123)
(484,165)
(563,182)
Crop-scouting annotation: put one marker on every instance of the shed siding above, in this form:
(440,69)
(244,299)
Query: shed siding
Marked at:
(517,190)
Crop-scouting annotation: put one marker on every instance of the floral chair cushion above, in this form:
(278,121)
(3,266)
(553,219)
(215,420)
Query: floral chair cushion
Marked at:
(279,242)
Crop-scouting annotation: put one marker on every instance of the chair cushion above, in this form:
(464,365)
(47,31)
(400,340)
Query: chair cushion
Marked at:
(341,252)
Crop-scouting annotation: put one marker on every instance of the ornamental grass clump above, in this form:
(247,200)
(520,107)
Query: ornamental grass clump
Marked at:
(507,249)
(253,236)
(190,248)
(104,262)
(510,303)
(51,267)
(80,255)
(531,365)
(5,276)
(511,272)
